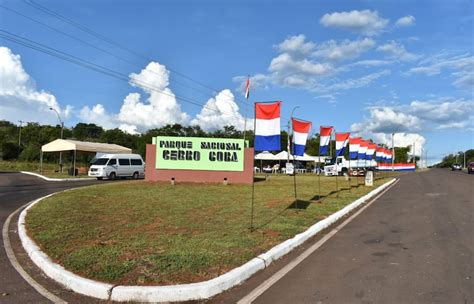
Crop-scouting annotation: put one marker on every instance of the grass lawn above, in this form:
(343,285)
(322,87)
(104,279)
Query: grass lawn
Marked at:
(149,233)
(49,170)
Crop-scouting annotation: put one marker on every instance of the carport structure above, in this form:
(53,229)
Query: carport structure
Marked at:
(63,145)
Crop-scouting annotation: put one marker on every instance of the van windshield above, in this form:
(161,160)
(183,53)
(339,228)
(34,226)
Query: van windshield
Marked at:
(100,161)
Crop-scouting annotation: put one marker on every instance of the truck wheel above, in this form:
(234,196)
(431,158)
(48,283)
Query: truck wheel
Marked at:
(135,175)
(100,178)
(112,175)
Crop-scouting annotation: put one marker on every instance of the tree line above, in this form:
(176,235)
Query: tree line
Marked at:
(26,145)
(456,158)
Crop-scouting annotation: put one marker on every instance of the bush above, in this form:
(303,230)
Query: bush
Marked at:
(30,153)
(10,151)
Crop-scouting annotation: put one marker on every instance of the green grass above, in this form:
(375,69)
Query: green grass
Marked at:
(49,169)
(148,233)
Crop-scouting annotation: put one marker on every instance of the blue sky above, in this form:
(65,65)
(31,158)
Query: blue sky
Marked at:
(370,67)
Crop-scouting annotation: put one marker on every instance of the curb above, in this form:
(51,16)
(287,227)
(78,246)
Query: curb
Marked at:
(182,292)
(56,179)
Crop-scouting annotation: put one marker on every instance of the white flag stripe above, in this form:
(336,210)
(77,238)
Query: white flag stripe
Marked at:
(324,140)
(267,127)
(300,138)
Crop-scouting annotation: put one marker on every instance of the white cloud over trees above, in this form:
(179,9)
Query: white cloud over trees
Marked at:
(19,97)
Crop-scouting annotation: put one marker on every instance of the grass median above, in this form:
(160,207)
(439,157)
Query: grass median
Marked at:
(146,233)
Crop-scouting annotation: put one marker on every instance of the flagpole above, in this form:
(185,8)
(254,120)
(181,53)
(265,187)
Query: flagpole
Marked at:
(247,109)
(319,166)
(349,173)
(335,160)
(253,173)
(293,150)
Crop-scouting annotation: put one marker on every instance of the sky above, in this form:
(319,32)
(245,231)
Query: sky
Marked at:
(368,67)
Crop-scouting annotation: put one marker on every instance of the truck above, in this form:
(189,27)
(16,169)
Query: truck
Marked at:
(341,166)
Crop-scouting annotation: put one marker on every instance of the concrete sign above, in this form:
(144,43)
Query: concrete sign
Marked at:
(199,153)
(369,178)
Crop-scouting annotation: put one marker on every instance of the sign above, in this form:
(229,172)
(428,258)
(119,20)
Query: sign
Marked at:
(289,169)
(199,153)
(369,178)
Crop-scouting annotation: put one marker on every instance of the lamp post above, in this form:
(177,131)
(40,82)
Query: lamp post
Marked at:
(289,125)
(62,129)
(393,152)
(19,134)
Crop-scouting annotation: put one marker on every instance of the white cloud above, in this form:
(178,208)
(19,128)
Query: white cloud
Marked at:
(19,97)
(405,21)
(461,67)
(257,81)
(387,120)
(159,109)
(296,45)
(98,115)
(220,111)
(418,116)
(352,83)
(397,51)
(364,22)
(400,140)
(344,50)
(443,114)
(371,63)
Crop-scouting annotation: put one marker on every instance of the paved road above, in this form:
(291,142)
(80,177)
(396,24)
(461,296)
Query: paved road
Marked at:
(16,190)
(413,245)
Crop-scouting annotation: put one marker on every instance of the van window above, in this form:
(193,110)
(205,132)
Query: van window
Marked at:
(136,162)
(124,162)
(112,162)
(100,161)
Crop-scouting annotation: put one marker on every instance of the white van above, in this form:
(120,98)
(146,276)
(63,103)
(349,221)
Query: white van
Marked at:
(118,165)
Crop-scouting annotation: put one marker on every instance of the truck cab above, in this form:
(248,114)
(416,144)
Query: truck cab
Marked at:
(340,166)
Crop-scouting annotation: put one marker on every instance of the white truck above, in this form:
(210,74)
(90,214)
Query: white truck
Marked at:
(341,166)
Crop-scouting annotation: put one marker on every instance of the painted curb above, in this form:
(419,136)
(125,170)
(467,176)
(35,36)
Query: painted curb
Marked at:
(183,292)
(57,179)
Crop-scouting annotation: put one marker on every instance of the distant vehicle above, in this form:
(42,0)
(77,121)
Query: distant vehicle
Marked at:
(455,167)
(112,166)
(341,166)
(470,168)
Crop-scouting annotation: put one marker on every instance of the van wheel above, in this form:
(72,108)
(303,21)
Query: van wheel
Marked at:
(112,175)
(100,178)
(135,175)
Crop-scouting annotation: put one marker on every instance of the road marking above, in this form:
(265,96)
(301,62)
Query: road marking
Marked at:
(14,262)
(254,294)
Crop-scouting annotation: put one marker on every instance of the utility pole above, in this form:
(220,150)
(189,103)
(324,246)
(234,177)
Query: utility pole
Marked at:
(19,134)
(414,154)
(464,152)
(62,129)
(393,152)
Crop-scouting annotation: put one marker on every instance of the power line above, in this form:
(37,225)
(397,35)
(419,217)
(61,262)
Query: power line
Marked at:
(91,32)
(95,67)
(94,46)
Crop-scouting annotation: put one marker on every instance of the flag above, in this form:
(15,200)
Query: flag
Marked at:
(370,151)
(354,144)
(247,89)
(341,142)
(300,135)
(379,154)
(389,158)
(362,149)
(267,126)
(324,139)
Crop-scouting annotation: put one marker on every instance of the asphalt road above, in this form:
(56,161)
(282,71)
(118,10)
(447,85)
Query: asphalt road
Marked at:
(16,190)
(415,244)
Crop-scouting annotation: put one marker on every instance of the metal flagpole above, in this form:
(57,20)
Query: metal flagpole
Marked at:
(335,162)
(319,167)
(349,172)
(253,172)
(246,107)
(293,150)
